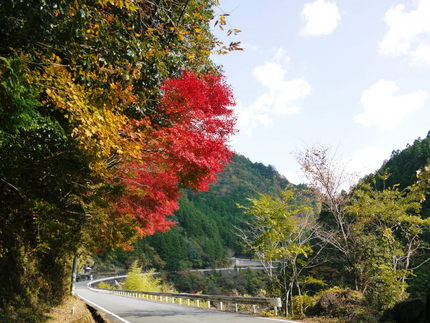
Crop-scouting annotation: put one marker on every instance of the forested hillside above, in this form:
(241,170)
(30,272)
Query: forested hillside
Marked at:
(205,234)
(401,169)
(403,164)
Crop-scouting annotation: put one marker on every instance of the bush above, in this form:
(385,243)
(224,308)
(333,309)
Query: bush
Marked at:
(302,303)
(104,285)
(342,303)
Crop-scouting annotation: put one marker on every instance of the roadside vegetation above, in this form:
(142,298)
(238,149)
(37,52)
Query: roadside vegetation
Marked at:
(145,281)
(70,310)
(329,253)
(108,109)
(364,245)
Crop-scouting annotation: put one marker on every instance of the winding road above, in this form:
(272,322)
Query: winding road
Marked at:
(132,310)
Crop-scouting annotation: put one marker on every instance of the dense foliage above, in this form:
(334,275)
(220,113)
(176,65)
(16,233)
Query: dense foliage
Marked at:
(107,108)
(401,169)
(375,239)
(205,233)
(235,283)
(403,164)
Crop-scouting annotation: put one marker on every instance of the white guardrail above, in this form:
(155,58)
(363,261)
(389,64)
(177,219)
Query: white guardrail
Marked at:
(242,304)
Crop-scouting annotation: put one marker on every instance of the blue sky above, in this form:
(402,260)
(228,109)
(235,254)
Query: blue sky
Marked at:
(351,75)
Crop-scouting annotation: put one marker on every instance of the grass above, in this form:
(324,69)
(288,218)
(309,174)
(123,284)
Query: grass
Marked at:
(72,310)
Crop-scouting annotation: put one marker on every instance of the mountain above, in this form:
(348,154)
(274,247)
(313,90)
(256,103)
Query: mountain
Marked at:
(402,168)
(205,232)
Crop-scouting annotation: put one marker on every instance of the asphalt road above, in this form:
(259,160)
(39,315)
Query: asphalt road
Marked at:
(131,310)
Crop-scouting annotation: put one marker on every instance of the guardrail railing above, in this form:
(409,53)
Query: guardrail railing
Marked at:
(241,304)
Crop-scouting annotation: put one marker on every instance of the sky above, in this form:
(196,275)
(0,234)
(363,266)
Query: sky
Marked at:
(350,75)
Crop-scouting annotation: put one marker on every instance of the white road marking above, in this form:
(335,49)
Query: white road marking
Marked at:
(103,309)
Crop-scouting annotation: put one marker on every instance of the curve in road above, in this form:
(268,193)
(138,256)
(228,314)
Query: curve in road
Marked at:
(132,310)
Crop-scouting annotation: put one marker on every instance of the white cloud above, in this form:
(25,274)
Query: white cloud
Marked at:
(358,164)
(421,55)
(384,109)
(248,119)
(270,74)
(408,33)
(320,17)
(280,97)
(366,160)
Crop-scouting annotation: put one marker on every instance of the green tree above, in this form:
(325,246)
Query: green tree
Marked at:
(43,185)
(389,230)
(280,235)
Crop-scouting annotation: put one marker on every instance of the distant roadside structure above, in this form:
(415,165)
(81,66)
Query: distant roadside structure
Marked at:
(244,262)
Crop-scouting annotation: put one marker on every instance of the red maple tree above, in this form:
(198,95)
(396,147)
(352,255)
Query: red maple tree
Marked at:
(185,147)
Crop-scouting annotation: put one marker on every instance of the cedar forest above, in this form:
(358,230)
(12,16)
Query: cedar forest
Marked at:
(114,118)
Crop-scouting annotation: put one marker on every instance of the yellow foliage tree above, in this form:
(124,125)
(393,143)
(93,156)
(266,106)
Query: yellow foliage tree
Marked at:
(137,280)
